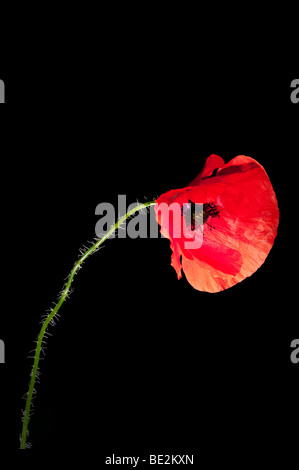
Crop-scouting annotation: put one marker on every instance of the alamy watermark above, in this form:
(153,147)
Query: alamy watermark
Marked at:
(2,92)
(2,352)
(295,93)
(295,352)
(182,221)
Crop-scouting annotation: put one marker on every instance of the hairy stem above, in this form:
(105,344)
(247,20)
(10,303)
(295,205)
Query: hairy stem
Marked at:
(54,312)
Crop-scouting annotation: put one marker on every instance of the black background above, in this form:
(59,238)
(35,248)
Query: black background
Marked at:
(140,362)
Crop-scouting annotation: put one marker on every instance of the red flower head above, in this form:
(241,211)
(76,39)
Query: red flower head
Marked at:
(222,225)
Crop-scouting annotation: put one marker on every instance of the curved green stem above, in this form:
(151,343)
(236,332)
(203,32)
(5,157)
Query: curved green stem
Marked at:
(54,312)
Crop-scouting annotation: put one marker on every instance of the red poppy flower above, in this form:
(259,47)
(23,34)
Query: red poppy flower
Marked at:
(235,228)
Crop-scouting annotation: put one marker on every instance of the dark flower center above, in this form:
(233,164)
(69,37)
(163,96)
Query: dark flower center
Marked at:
(197,215)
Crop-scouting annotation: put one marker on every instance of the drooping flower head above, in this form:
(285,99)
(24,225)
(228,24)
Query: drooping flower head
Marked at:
(222,225)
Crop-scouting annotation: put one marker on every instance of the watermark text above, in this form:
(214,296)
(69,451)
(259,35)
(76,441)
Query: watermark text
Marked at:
(2,92)
(2,352)
(295,92)
(295,352)
(182,221)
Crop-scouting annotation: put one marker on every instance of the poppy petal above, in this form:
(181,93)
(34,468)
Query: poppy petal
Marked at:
(238,234)
(212,163)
